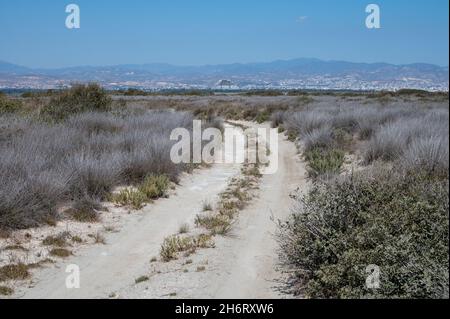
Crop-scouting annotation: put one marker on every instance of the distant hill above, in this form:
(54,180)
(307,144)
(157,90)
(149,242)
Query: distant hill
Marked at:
(297,73)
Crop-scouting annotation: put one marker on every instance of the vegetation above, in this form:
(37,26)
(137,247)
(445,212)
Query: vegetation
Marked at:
(153,187)
(8,105)
(6,291)
(79,98)
(392,213)
(82,159)
(14,272)
(324,162)
(398,222)
(60,252)
(175,244)
(58,241)
(141,279)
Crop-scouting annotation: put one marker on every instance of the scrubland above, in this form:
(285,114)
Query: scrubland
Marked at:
(390,211)
(378,165)
(76,149)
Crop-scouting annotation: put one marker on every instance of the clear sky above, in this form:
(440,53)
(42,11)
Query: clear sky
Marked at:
(195,32)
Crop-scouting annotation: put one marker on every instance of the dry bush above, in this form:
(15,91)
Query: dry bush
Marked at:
(84,157)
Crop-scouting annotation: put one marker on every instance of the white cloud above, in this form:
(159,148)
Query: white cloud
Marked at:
(301,19)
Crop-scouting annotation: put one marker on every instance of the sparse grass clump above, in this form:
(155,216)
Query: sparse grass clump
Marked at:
(14,272)
(60,252)
(141,279)
(184,229)
(57,241)
(175,244)
(201,268)
(99,238)
(154,186)
(217,224)
(6,291)
(207,206)
(130,197)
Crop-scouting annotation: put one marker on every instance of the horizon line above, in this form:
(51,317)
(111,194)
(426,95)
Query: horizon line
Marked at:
(216,64)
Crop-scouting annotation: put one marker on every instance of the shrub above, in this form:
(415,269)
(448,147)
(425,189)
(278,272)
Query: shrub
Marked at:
(154,186)
(83,158)
(80,98)
(324,162)
(388,144)
(399,223)
(9,105)
(305,122)
(85,210)
(58,241)
(130,197)
(262,117)
(216,224)
(277,119)
(14,272)
(175,244)
(322,137)
(429,155)
(60,252)
(6,291)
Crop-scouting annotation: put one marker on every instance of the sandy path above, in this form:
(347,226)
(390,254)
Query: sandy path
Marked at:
(250,262)
(126,255)
(243,265)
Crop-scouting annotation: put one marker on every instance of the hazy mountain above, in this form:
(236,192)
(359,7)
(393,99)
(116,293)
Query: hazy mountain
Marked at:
(297,73)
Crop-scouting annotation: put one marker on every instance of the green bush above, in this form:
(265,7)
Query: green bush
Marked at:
(154,186)
(130,197)
(399,223)
(9,105)
(79,98)
(324,161)
(263,116)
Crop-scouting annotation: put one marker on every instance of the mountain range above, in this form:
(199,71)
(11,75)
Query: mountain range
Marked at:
(304,73)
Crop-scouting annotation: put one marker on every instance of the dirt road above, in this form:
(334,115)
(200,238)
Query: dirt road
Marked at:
(242,265)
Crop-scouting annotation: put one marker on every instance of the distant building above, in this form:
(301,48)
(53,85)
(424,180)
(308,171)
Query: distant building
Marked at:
(225,84)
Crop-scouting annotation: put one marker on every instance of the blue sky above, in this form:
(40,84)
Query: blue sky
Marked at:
(196,32)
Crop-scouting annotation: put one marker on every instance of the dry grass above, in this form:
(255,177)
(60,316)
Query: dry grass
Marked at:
(86,156)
